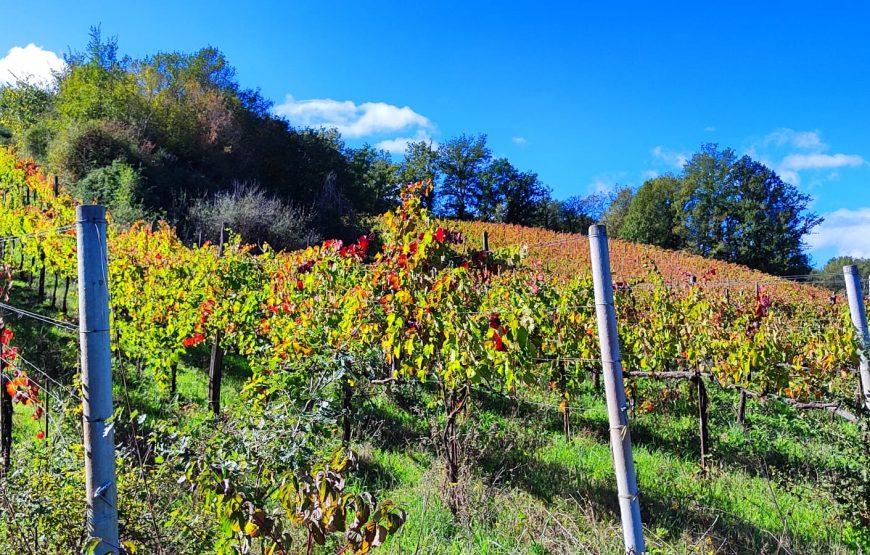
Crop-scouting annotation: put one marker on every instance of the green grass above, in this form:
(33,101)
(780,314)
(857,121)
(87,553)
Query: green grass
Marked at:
(527,489)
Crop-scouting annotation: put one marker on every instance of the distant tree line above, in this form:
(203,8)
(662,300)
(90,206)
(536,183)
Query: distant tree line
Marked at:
(728,208)
(174,136)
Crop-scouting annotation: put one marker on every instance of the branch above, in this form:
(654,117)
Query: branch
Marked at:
(835,408)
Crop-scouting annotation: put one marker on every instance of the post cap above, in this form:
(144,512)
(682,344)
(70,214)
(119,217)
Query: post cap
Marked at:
(91,213)
(598,230)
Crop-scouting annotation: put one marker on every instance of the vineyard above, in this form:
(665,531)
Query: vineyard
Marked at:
(432,387)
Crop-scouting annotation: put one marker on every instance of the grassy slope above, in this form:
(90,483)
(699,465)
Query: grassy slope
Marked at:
(530,490)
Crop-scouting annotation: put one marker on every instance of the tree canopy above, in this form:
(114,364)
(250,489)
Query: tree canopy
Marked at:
(728,208)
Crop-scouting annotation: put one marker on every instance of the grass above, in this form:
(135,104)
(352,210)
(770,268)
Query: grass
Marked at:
(528,489)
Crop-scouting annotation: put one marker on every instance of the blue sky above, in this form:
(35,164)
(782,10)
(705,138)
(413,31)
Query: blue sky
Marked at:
(588,96)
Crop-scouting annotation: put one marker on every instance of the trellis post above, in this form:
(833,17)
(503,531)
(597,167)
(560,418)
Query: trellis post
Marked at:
(614,389)
(859,320)
(99,437)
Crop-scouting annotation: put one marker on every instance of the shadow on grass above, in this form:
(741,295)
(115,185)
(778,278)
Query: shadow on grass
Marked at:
(389,429)
(374,476)
(550,482)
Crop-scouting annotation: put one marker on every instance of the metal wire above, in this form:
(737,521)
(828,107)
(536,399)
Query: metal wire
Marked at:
(40,317)
(44,233)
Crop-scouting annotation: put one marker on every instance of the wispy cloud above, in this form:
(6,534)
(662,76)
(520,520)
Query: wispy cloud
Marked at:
(520,141)
(844,230)
(30,63)
(352,120)
(797,139)
(672,158)
(709,129)
(789,152)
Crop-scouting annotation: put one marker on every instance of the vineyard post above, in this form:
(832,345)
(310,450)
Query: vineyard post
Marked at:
(741,408)
(702,419)
(485,241)
(617,408)
(99,439)
(40,289)
(5,413)
(216,362)
(859,320)
(65,294)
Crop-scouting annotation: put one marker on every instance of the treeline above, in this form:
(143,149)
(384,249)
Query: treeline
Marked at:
(724,207)
(174,136)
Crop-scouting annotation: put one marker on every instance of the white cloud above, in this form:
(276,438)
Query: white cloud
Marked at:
(818,161)
(31,63)
(847,231)
(520,141)
(600,185)
(650,174)
(709,129)
(790,153)
(671,157)
(352,120)
(810,140)
(400,144)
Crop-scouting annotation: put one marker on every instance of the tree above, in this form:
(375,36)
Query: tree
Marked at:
(831,275)
(256,217)
(509,195)
(740,211)
(653,216)
(421,164)
(23,105)
(614,216)
(376,179)
(462,161)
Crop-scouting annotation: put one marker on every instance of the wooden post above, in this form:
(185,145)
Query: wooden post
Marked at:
(5,411)
(65,294)
(56,187)
(54,290)
(40,290)
(859,320)
(346,412)
(96,361)
(741,409)
(702,419)
(614,388)
(173,379)
(485,241)
(216,363)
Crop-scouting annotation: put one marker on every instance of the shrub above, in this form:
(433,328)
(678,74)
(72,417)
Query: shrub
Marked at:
(117,187)
(81,148)
(248,211)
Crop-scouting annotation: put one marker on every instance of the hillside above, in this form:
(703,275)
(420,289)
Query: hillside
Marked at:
(566,254)
(465,382)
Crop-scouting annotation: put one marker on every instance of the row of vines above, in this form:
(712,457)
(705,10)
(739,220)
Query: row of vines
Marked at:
(414,300)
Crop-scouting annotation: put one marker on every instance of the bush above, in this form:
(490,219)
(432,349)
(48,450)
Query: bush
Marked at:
(81,148)
(118,188)
(35,141)
(248,211)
